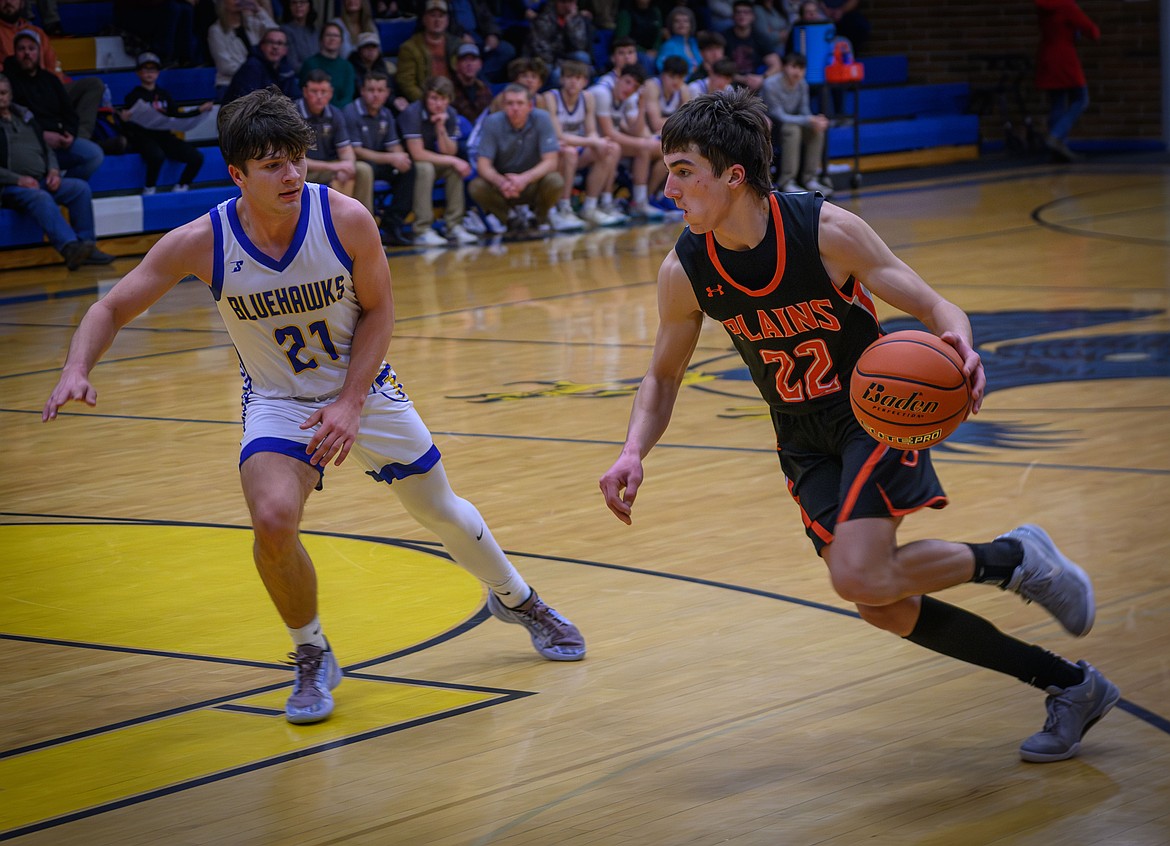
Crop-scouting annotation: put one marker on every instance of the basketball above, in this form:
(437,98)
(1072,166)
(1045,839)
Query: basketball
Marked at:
(908,390)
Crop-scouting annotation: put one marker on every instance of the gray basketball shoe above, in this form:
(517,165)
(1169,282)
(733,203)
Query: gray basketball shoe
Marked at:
(554,637)
(317,674)
(1048,577)
(1071,712)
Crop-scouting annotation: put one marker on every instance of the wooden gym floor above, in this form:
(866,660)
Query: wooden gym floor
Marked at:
(728,696)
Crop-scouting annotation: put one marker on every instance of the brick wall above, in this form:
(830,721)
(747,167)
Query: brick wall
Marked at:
(942,39)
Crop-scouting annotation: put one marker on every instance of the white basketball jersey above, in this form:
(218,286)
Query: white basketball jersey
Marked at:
(572,122)
(291,319)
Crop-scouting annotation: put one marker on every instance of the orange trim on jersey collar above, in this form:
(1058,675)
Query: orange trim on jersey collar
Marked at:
(780,256)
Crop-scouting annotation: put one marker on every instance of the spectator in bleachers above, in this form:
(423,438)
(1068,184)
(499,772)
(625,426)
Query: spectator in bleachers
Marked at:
(720,78)
(156,146)
(574,114)
(849,21)
(797,134)
(680,23)
(472,94)
(239,26)
(712,48)
(642,21)
(474,22)
(427,53)
(624,123)
(328,58)
(43,93)
(720,14)
(85,94)
(299,23)
(517,160)
(268,65)
(31,183)
(808,12)
(754,56)
(772,22)
(333,161)
(367,58)
(376,142)
(560,32)
(622,53)
(356,18)
(430,128)
(662,95)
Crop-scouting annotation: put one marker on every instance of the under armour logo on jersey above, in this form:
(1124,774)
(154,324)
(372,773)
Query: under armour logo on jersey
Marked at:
(236,265)
(718,289)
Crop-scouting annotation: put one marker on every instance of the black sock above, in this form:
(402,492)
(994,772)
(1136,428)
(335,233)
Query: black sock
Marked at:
(997,560)
(949,630)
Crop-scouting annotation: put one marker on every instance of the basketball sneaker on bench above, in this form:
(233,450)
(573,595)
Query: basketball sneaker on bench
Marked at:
(317,673)
(554,637)
(1048,577)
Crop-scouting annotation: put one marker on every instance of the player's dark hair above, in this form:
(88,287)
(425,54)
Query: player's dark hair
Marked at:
(725,128)
(675,65)
(262,124)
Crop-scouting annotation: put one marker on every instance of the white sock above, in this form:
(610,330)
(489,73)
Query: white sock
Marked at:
(639,195)
(606,199)
(309,633)
(589,204)
(564,206)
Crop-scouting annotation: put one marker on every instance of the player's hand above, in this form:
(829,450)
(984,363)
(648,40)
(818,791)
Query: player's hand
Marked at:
(71,387)
(620,484)
(336,430)
(972,368)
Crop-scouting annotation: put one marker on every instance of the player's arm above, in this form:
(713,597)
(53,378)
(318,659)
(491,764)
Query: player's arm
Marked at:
(679,323)
(182,251)
(337,423)
(849,247)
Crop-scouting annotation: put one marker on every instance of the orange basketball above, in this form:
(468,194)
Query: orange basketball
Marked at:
(908,390)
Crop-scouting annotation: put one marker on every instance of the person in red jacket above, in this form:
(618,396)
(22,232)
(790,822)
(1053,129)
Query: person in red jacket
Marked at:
(1058,69)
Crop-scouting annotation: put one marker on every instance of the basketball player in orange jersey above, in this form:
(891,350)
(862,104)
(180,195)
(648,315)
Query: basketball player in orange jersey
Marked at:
(790,276)
(301,281)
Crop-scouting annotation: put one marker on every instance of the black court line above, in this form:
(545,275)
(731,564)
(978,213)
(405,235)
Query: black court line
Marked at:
(940,457)
(1160,723)
(255,766)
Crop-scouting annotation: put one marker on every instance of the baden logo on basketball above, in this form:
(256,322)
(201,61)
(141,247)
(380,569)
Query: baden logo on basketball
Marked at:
(908,390)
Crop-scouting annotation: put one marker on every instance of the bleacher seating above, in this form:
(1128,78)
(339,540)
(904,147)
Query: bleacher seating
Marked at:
(186,85)
(126,173)
(891,116)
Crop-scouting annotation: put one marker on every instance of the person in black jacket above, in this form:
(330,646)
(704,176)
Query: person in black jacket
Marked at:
(30,183)
(45,96)
(268,65)
(157,145)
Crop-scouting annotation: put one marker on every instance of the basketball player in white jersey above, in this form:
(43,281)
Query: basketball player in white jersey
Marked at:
(574,115)
(302,284)
(663,94)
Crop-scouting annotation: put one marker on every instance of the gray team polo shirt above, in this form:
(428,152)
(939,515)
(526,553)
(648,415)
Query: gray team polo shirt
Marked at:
(517,150)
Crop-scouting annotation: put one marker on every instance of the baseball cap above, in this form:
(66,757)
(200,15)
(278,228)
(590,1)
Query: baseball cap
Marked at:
(145,59)
(368,38)
(27,33)
(432,5)
(466,49)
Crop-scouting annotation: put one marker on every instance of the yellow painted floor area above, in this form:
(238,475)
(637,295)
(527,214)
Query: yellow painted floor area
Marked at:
(196,591)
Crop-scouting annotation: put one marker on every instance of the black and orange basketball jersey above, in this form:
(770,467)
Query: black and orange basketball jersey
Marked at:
(799,334)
